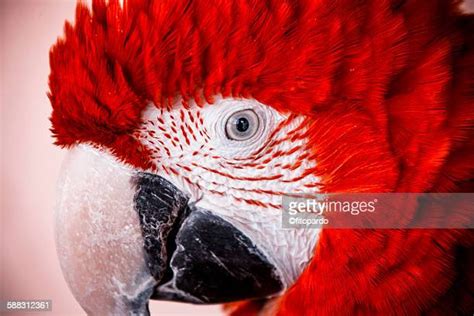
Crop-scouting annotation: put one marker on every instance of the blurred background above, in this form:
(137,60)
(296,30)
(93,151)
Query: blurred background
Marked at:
(30,163)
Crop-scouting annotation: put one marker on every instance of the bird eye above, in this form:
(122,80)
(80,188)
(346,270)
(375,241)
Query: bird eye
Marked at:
(242,125)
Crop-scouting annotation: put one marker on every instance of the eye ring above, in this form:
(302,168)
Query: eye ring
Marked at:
(242,125)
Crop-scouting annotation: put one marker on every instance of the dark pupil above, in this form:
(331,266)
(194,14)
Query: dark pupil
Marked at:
(242,124)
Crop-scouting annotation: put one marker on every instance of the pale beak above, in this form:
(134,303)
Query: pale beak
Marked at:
(125,236)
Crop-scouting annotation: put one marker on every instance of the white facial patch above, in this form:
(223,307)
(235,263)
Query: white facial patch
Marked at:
(242,181)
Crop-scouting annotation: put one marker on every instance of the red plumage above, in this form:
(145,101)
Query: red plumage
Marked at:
(388,88)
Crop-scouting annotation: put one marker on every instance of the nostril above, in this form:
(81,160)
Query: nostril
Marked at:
(161,206)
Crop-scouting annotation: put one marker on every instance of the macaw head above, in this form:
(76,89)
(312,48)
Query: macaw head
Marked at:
(186,122)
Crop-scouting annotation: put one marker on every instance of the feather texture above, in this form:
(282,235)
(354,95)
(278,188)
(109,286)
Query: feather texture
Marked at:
(388,89)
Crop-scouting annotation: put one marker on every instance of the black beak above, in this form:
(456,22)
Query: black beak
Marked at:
(195,255)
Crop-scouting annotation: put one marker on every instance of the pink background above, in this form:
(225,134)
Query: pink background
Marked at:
(30,163)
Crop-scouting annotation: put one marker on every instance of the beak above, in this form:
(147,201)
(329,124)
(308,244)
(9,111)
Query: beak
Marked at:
(124,237)
(194,255)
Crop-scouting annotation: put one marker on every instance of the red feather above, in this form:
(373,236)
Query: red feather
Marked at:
(388,87)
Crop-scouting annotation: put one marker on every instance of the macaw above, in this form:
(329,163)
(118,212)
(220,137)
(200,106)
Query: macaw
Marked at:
(186,121)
